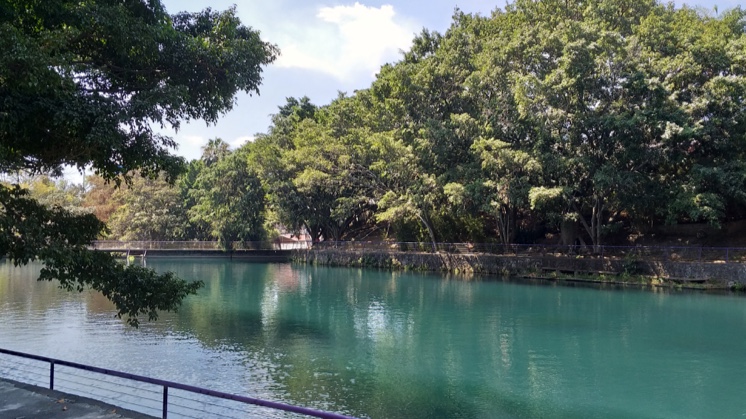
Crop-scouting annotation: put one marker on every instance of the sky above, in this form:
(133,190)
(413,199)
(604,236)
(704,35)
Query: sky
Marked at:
(326,47)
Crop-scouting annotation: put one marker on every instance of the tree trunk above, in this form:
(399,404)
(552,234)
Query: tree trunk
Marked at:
(594,229)
(334,232)
(315,234)
(429,230)
(598,209)
(506,224)
(569,234)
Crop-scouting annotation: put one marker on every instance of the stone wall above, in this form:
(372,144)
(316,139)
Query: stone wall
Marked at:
(521,265)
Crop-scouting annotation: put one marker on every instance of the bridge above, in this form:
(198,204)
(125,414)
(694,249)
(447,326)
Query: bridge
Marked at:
(267,251)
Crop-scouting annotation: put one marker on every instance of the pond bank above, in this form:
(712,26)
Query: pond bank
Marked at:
(709,275)
(19,400)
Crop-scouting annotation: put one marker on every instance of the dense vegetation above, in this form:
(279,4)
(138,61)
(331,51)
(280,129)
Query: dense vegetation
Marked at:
(83,84)
(585,117)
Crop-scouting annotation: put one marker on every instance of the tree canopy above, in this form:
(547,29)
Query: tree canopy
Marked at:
(84,84)
(588,119)
(594,115)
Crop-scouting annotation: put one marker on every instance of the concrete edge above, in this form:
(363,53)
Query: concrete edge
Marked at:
(55,394)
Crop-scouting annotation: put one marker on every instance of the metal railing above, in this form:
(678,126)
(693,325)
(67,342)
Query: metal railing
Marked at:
(163,385)
(654,253)
(196,245)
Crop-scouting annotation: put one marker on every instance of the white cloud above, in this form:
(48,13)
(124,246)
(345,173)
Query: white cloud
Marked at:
(238,142)
(190,146)
(193,140)
(344,41)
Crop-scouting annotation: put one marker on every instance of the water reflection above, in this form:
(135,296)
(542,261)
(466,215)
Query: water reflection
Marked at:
(400,345)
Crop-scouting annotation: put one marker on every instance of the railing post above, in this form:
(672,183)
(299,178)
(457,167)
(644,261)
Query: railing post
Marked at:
(51,375)
(165,402)
(727,254)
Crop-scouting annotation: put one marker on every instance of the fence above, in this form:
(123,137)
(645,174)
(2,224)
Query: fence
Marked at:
(654,253)
(197,245)
(143,394)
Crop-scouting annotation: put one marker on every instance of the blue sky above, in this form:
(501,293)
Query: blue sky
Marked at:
(326,47)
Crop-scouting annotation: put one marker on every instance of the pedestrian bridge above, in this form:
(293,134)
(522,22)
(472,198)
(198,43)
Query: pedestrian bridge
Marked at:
(270,251)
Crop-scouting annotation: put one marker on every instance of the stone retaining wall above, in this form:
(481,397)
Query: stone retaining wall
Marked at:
(734,273)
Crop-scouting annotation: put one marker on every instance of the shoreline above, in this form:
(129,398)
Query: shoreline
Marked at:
(612,271)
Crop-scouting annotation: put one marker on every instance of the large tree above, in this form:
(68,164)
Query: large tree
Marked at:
(587,115)
(150,209)
(228,196)
(84,84)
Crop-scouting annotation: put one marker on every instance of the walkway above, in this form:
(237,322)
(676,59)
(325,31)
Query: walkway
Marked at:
(23,401)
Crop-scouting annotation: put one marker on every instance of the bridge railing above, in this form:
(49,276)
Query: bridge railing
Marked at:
(143,394)
(197,245)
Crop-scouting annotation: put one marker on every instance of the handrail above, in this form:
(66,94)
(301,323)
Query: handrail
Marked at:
(667,253)
(114,245)
(663,252)
(170,384)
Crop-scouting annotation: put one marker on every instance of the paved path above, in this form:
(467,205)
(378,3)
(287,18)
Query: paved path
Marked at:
(23,401)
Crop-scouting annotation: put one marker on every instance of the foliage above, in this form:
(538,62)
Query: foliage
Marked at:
(229,199)
(587,116)
(60,239)
(315,167)
(83,84)
(50,193)
(151,210)
(101,197)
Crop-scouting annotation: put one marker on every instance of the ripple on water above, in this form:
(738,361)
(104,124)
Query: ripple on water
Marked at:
(403,345)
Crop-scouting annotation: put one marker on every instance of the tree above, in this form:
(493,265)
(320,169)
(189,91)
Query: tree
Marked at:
(698,62)
(187,183)
(229,198)
(315,165)
(215,150)
(51,193)
(83,84)
(406,193)
(582,109)
(509,175)
(152,210)
(428,112)
(101,197)
(586,115)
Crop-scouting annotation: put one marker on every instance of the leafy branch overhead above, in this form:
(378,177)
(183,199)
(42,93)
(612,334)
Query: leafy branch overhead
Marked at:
(83,84)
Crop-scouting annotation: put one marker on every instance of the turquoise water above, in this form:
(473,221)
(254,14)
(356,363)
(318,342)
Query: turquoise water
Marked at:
(401,345)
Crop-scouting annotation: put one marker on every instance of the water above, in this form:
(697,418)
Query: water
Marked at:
(401,345)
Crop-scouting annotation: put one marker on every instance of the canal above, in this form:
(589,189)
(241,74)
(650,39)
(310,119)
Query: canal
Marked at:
(404,345)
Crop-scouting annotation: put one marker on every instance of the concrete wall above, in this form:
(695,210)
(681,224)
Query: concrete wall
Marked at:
(521,265)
